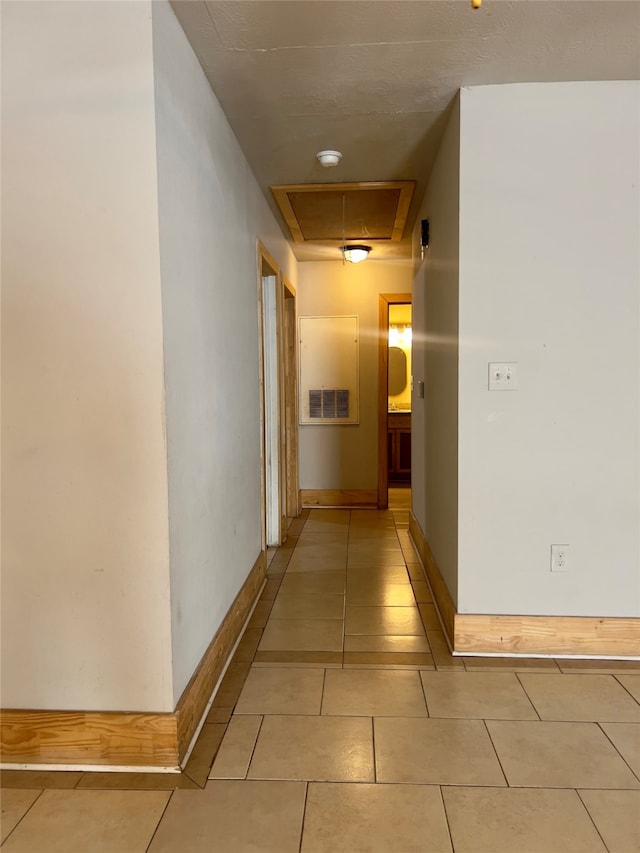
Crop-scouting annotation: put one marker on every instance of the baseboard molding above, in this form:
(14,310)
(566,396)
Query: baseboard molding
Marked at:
(554,636)
(123,739)
(85,738)
(441,595)
(338,497)
(197,693)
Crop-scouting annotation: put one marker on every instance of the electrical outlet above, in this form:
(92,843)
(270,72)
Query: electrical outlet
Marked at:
(503,376)
(559,558)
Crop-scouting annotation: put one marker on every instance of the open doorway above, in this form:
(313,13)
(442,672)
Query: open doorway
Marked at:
(278,399)
(394,400)
(269,399)
(290,402)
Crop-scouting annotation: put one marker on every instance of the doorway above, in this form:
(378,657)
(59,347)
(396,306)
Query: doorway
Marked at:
(290,402)
(394,409)
(278,400)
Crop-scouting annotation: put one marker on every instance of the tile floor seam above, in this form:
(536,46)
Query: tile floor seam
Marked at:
(344,622)
(373,747)
(304,814)
(595,825)
(324,682)
(600,726)
(624,687)
(446,817)
(533,704)
(487,719)
(375,751)
(502,770)
(4,840)
(424,693)
(164,810)
(255,744)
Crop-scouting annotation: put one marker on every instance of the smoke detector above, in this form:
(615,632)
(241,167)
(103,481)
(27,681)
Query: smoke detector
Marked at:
(329,158)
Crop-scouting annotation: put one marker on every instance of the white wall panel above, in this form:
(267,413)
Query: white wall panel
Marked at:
(550,278)
(328,367)
(211,214)
(85,553)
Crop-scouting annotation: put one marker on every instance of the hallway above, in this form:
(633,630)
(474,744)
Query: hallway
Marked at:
(344,724)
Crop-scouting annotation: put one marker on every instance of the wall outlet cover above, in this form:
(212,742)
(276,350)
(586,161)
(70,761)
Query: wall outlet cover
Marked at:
(559,558)
(503,376)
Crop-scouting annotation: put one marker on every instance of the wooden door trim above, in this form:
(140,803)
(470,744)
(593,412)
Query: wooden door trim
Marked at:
(290,399)
(384,300)
(263,257)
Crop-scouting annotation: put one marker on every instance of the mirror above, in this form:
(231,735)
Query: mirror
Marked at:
(397,371)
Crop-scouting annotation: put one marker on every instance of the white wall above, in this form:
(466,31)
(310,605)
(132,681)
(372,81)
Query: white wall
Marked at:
(550,278)
(211,212)
(435,361)
(346,457)
(85,562)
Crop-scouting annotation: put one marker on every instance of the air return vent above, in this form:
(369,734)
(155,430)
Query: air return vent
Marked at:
(329,404)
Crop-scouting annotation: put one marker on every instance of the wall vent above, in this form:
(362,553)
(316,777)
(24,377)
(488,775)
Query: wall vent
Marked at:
(329,403)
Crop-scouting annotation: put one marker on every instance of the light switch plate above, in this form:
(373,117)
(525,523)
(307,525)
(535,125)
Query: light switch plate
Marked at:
(503,376)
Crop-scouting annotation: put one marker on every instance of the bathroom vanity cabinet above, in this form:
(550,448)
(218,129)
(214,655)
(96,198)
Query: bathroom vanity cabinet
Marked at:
(399,446)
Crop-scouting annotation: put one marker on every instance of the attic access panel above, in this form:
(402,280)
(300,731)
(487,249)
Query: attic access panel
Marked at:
(375,210)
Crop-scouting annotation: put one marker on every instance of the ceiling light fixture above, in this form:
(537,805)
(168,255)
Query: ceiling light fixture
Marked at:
(355,253)
(329,158)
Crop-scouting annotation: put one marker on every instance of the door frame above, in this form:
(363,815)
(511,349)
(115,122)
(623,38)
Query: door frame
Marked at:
(384,301)
(270,397)
(290,400)
(277,333)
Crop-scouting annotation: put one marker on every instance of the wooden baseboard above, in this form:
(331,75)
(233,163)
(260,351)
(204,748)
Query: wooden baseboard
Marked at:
(441,595)
(338,497)
(88,737)
(556,636)
(122,739)
(197,693)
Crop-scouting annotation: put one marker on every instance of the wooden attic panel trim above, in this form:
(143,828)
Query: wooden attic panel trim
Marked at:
(281,196)
(366,215)
(373,226)
(402,212)
(346,187)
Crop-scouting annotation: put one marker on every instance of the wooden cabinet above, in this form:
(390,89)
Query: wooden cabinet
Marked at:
(399,447)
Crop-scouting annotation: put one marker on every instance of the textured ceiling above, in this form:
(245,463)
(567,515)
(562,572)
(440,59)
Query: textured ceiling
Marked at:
(375,78)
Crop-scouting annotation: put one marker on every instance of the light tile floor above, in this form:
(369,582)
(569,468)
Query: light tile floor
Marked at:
(344,724)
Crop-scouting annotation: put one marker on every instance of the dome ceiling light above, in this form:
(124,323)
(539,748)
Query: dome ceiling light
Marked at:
(355,253)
